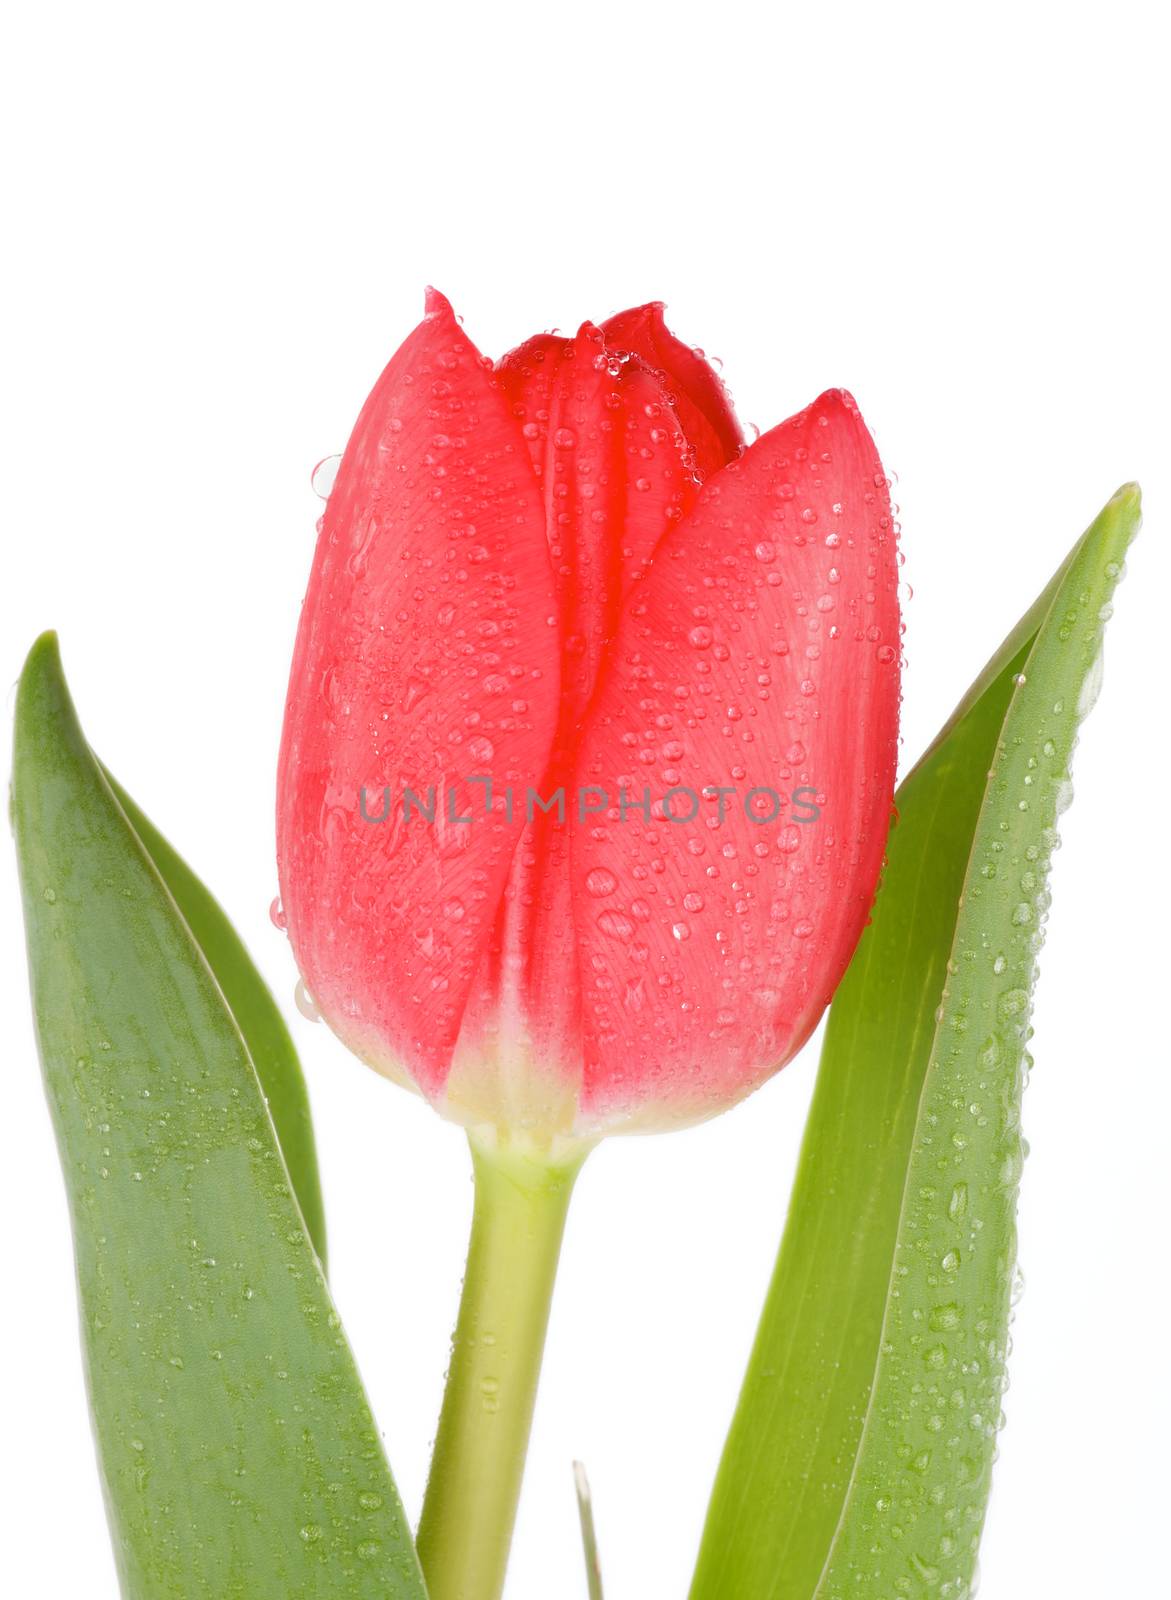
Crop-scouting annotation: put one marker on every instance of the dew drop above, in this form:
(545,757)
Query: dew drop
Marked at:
(413,691)
(324,476)
(1013,1002)
(1091,689)
(305,1002)
(632,997)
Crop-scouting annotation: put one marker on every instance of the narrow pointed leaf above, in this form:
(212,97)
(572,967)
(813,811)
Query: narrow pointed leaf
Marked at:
(589,1533)
(859,1457)
(235,1442)
(257,1014)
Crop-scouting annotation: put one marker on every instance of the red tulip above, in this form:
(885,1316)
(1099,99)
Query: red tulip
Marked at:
(566,573)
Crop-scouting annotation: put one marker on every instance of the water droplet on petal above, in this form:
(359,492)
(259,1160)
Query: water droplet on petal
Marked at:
(325,476)
(305,1002)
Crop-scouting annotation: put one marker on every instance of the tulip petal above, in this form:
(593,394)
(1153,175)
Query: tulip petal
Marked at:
(761,653)
(699,397)
(426,656)
(609,456)
(610,459)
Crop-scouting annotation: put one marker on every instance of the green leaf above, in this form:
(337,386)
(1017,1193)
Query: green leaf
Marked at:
(256,1012)
(860,1453)
(589,1533)
(237,1450)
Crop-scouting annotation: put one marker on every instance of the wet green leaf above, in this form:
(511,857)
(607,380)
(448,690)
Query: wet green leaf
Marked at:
(860,1454)
(257,1014)
(589,1533)
(237,1450)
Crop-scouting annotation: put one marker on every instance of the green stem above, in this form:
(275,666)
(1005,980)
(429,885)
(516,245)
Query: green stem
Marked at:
(476,1470)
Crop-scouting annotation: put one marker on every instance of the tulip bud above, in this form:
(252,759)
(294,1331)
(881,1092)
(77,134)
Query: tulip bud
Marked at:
(589,745)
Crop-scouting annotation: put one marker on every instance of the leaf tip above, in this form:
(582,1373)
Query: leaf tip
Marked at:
(44,656)
(1127,504)
(41,691)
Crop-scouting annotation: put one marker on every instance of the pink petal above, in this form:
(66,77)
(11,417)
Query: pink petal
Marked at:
(426,655)
(761,651)
(609,457)
(699,397)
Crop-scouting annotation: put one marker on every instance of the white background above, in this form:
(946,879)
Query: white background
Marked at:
(222,219)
